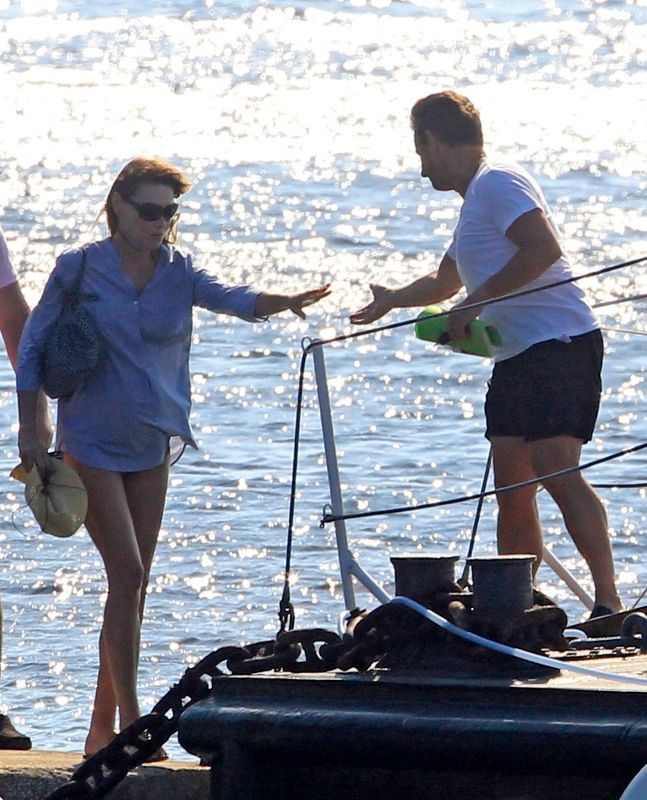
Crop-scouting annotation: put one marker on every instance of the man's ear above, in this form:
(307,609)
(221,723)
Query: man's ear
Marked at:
(428,139)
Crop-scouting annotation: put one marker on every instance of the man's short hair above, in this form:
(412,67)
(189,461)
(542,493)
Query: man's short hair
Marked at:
(449,116)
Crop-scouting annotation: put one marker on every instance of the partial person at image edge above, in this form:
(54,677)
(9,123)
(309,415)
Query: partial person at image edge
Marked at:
(13,316)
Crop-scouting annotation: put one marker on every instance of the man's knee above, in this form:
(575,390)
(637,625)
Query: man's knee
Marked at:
(523,497)
(572,491)
(555,455)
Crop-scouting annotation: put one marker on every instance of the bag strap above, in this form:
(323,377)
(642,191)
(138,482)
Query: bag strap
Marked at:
(72,296)
(76,286)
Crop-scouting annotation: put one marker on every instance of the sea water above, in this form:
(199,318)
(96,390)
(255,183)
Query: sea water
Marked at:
(292,120)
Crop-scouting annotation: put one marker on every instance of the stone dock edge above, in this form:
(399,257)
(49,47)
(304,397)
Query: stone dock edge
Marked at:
(33,774)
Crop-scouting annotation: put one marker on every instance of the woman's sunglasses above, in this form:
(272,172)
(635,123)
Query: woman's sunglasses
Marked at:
(151,212)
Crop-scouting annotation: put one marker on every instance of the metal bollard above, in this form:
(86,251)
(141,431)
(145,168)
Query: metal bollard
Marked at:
(420,577)
(502,586)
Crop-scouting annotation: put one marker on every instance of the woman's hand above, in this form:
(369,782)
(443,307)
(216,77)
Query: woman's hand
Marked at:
(297,302)
(381,304)
(32,450)
(268,304)
(33,433)
(44,423)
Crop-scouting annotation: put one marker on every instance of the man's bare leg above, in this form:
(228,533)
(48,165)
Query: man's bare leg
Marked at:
(582,510)
(518,525)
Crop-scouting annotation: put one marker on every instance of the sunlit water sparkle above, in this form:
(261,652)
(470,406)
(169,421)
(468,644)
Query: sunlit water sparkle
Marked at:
(292,118)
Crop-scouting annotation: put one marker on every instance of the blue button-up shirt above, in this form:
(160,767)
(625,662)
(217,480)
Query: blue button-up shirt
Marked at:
(142,383)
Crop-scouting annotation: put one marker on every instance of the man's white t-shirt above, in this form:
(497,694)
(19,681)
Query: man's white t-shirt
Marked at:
(497,196)
(7,273)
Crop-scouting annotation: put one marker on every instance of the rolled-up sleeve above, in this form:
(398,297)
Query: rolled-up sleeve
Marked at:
(239,301)
(32,342)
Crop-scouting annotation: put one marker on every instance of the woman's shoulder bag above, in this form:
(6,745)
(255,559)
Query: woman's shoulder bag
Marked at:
(74,346)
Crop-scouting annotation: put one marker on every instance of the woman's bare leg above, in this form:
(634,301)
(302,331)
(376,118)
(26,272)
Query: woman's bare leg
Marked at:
(111,524)
(104,709)
(111,529)
(146,494)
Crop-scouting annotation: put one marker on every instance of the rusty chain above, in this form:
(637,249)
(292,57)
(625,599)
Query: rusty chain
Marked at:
(311,650)
(368,639)
(296,651)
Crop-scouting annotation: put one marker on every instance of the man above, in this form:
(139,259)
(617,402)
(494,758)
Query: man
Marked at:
(544,394)
(13,315)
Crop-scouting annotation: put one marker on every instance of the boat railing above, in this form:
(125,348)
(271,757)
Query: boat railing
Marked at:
(348,565)
(350,568)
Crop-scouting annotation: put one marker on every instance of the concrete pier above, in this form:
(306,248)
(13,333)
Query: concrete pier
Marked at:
(33,774)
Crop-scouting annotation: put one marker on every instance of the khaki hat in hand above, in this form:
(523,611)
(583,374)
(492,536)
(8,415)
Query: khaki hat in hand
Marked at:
(60,502)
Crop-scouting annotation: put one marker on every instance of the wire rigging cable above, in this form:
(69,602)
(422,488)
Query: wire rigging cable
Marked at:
(620,300)
(286,609)
(465,498)
(511,296)
(462,581)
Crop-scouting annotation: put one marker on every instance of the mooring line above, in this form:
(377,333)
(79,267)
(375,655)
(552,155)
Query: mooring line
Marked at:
(515,652)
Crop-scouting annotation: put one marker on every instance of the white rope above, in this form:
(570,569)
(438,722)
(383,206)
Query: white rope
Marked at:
(516,652)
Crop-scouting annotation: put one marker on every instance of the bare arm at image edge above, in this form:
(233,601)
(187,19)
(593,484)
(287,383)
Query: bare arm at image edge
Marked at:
(13,315)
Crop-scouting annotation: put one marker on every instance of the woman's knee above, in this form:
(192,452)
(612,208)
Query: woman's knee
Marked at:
(128,577)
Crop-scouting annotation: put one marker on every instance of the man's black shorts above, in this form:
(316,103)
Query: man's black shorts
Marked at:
(551,389)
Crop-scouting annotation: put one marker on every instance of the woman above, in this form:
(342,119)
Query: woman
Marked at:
(115,429)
